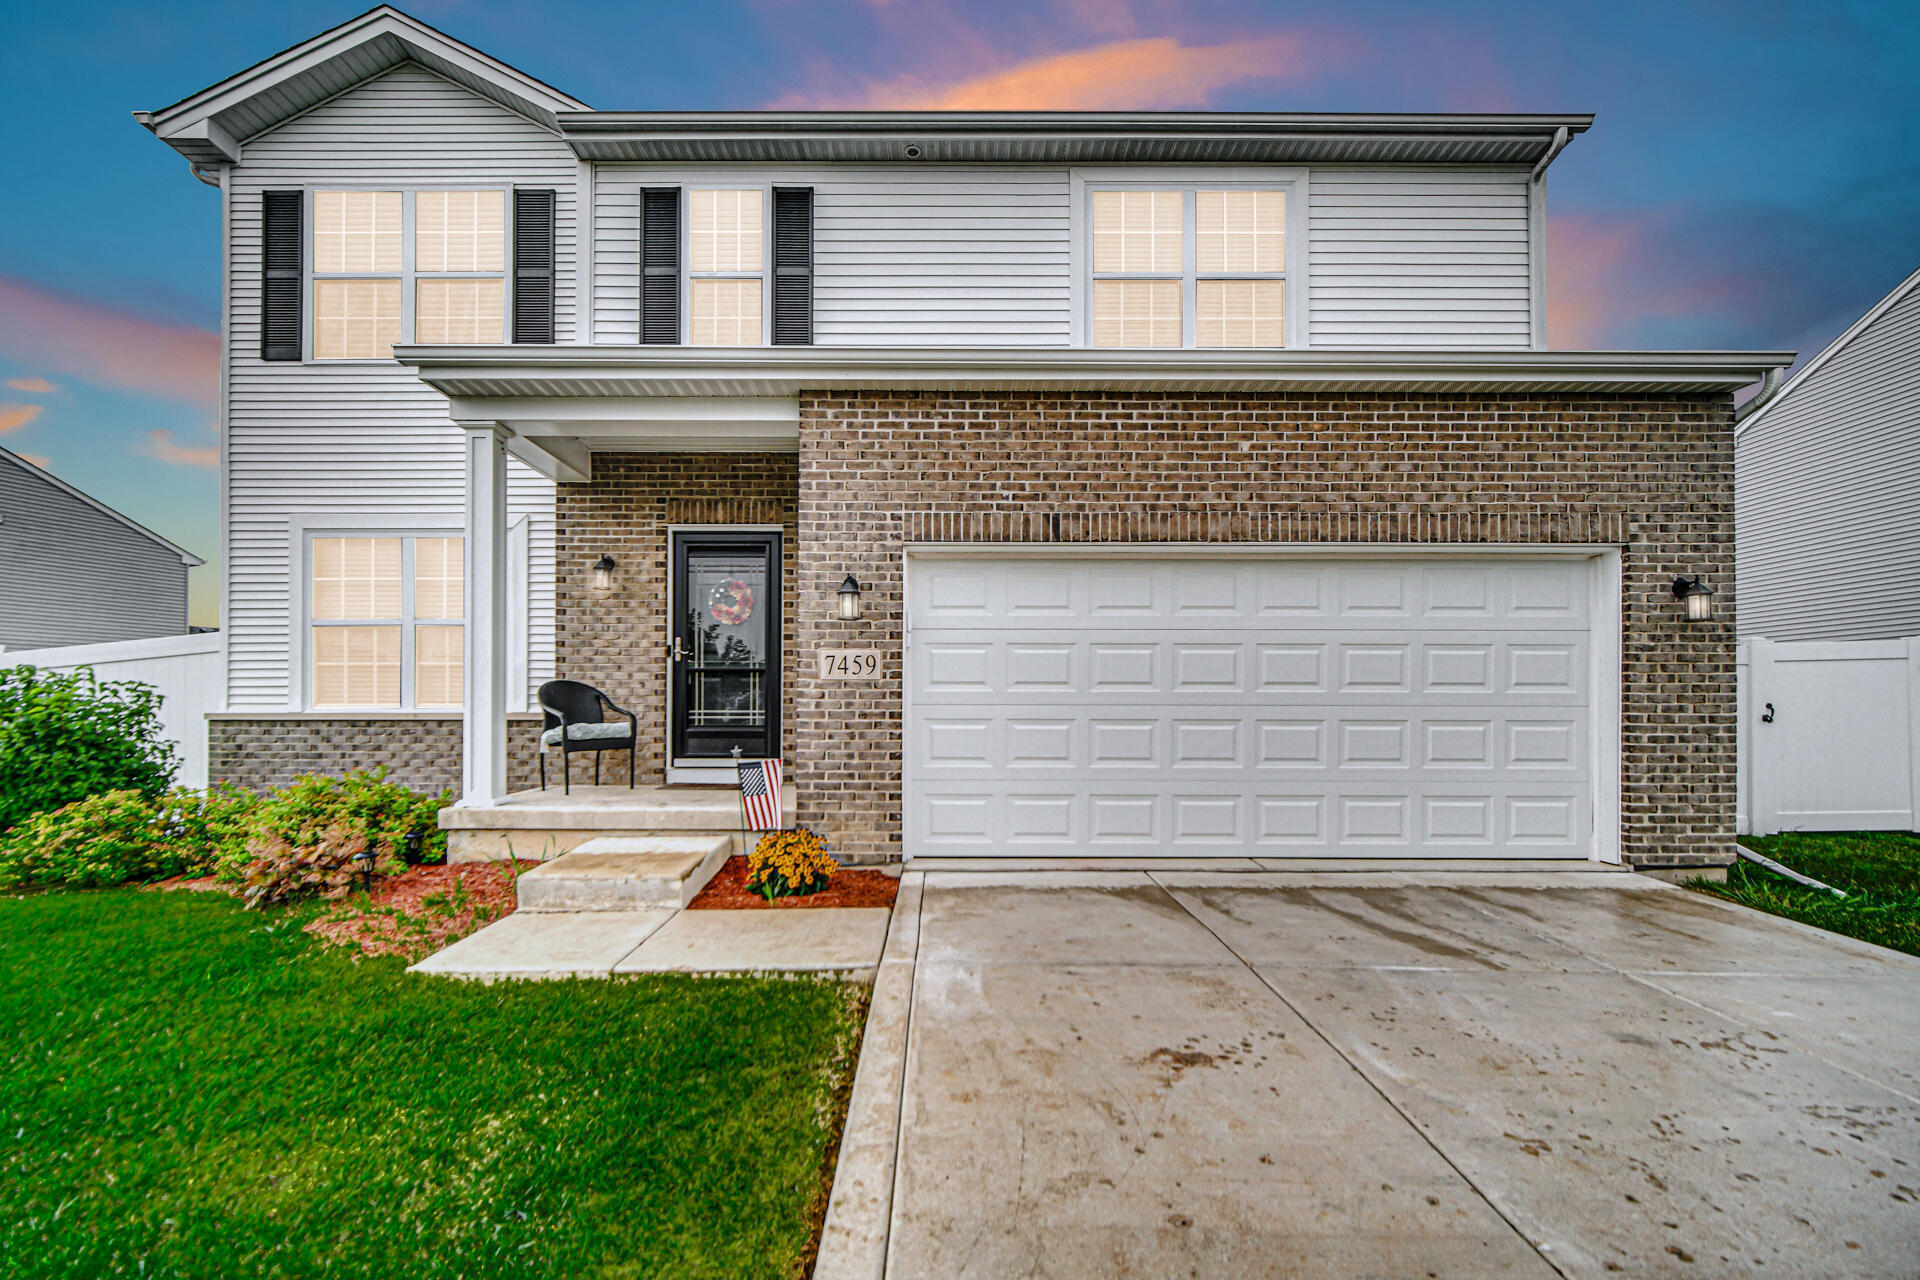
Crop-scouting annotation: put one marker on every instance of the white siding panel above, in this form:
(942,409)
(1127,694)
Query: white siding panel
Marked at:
(903,256)
(1827,495)
(1402,257)
(363,443)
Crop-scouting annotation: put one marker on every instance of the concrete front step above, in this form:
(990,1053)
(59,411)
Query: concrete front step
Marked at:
(546,824)
(623,873)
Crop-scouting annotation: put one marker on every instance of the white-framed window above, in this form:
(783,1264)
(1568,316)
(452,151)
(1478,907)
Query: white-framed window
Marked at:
(1192,265)
(390,263)
(385,615)
(726,267)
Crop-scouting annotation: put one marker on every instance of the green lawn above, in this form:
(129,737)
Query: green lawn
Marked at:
(191,1090)
(1879,870)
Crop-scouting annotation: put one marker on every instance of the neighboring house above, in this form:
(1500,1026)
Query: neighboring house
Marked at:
(1828,511)
(1206,480)
(75,571)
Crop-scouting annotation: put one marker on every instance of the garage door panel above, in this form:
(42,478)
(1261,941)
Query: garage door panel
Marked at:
(1306,667)
(1458,743)
(1234,705)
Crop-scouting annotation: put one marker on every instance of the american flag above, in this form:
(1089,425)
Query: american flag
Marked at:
(760,794)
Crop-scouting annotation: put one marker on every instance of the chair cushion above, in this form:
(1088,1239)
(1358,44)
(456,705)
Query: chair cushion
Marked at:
(609,731)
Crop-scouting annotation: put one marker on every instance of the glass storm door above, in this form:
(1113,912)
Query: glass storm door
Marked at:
(726,645)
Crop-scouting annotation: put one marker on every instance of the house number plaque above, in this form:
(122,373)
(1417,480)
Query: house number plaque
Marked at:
(849,664)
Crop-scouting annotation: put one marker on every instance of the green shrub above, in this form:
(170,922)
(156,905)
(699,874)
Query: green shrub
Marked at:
(65,736)
(303,838)
(102,840)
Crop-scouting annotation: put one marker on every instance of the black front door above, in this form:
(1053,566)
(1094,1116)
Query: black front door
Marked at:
(726,645)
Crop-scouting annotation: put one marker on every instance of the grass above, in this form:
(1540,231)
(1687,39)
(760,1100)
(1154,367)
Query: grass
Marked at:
(1879,870)
(191,1090)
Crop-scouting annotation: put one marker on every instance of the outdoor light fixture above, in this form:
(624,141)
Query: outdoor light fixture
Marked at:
(603,574)
(850,599)
(364,865)
(1696,595)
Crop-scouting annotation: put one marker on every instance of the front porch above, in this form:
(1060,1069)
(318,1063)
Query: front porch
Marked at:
(545,824)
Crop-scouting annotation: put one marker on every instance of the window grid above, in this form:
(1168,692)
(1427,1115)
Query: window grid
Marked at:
(387,621)
(726,267)
(1227,287)
(391,263)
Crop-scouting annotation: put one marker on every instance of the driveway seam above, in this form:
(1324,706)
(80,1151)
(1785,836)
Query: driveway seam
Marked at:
(1370,1083)
(1642,977)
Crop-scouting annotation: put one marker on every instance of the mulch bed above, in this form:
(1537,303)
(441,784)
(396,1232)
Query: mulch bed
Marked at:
(397,918)
(728,891)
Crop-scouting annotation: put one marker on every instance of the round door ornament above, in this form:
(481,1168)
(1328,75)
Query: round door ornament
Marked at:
(730,603)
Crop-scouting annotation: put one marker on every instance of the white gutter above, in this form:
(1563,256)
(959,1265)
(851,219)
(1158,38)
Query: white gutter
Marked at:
(1769,388)
(1561,137)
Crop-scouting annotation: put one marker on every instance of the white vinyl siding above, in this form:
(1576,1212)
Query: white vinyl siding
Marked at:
(1827,482)
(360,443)
(1428,257)
(903,255)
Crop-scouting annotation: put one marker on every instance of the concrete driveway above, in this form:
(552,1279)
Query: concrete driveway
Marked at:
(1379,1074)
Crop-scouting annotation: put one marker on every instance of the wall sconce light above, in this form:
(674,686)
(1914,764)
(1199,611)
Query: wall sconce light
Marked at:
(850,599)
(603,574)
(1696,595)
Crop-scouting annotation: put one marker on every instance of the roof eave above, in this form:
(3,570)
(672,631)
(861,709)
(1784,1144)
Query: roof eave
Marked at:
(471,372)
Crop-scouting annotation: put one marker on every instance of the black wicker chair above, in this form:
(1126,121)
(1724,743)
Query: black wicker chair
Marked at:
(576,721)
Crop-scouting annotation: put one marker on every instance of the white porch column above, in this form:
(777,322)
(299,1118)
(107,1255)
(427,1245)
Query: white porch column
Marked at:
(484,755)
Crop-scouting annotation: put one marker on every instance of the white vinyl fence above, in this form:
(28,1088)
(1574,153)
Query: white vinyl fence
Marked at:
(187,670)
(1829,735)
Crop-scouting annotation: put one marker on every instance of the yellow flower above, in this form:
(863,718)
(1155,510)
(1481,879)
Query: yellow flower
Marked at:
(789,862)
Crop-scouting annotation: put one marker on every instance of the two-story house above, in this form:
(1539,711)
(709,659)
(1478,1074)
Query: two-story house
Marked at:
(1033,483)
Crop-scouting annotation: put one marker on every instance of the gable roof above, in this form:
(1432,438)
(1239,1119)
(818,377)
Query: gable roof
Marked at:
(1828,352)
(213,125)
(40,473)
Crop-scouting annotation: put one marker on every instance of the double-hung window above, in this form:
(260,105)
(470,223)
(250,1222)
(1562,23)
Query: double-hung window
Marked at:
(726,267)
(1188,267)
(386,622)
(389,262)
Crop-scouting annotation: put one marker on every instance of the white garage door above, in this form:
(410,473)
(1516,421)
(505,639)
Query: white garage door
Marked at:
(1234,705)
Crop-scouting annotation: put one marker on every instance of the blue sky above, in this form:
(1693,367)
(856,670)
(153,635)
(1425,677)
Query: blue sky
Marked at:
(1753,179)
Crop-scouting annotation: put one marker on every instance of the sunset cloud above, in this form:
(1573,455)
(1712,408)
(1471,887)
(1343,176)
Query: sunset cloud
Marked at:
(39,460)
(161,444)
(36,386)
(15,416)
(108,346)
(1149,74)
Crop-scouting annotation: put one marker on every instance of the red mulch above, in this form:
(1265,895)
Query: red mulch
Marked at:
(396,918)
(728,891)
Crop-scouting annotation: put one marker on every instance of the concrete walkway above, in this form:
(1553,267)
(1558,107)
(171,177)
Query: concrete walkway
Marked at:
(1268,1074)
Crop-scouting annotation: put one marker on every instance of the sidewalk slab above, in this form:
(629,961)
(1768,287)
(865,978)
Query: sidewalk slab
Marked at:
(547,944)
(843,940)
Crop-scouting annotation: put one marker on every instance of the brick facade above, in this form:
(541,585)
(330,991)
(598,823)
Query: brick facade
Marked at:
(1650,474)
(618,642)
(268,752)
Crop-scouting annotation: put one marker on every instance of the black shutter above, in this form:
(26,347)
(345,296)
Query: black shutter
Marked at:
(660,264)
(533,218)
(793,266)
(280,275)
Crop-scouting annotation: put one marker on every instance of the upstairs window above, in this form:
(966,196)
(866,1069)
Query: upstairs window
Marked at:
(726,268)
(387,622)
(1188,267)
(373,282)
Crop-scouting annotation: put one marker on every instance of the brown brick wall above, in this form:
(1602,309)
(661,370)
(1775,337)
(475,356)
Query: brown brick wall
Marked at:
(618,642)
(267,753)
(1651,474)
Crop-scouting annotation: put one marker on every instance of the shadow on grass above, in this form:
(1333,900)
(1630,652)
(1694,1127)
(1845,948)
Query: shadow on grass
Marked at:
(192,1090)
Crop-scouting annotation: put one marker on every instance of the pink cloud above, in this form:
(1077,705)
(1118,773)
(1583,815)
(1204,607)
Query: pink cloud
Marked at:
(37,386)
(161,444)
(108,346)
(1158,72)
(36,459)
(15,416)
(1585,256)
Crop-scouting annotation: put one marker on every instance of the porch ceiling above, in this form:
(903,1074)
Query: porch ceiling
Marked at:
(558,435)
